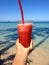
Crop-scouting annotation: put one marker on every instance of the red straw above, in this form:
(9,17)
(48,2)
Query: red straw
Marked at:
(22,15)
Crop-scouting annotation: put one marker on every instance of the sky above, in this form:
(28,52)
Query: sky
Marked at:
(37,10)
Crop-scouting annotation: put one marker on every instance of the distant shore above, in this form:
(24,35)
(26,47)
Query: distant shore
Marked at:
(25,21)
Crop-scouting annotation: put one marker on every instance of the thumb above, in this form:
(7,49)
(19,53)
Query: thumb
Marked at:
(31,46)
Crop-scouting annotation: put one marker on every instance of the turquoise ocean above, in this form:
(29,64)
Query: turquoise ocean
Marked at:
(9,33)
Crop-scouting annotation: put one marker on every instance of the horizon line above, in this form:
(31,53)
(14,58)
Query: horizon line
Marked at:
(25,21)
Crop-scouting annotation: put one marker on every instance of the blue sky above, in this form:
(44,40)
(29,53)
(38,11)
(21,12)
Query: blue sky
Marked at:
(37,10)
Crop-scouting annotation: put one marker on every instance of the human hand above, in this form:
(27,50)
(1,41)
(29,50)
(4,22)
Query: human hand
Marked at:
(21,49)
(21,53)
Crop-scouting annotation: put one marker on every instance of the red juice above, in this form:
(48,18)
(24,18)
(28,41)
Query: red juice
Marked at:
(24,32)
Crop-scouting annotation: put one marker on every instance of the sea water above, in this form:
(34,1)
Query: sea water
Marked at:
(9,33)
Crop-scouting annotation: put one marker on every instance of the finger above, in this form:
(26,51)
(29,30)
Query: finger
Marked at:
(17,41)
(31,45)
